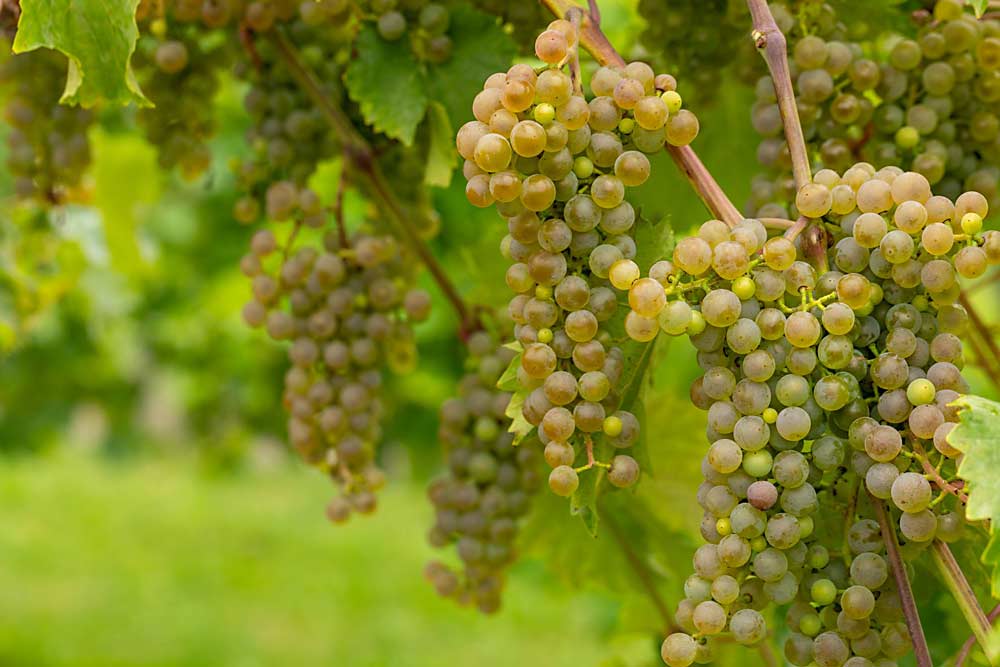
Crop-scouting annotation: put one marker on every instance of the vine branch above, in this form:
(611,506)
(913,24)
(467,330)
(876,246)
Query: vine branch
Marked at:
(912,616)
(596,42)
(960,589)
(362,158)
(773,47)
(979,327)
(971,641)
(642,572)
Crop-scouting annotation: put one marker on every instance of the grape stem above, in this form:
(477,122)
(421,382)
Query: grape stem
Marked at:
(971,641)
(777,223)
(576,76)
(591,461)
(596,42)
(642,572)
(773,46)
(793,232)
(362,158)
(910,613)
(933,473)
(960,589)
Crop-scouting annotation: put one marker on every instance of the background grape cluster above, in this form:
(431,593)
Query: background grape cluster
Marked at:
(346,306)
(489,483)
(927,103)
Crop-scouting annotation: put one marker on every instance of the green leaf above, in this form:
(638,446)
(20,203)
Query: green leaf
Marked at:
(508,381)
(388,84)
(991,558)
(636,555)
(98,37)
(519,426)
(655,241)
(480,47)
(978,438)
(979,6)
(441,152)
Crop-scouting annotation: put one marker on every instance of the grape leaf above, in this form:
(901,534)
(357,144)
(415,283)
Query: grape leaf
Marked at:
(519,426)
(977,437)
(655,241)
(441,152)
(480,47)
(635,539)
(98,37)
(979,6)
(387,82)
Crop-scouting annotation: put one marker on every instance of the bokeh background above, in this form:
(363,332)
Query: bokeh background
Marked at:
(151,513)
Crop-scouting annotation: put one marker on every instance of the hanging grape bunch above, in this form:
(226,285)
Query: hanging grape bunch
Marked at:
(424,23)
(557,168)
(940,111)
(930,105)
(818,385)
(47,147)
(347,312)
(178,75)
(489,483)
(289,136)
(834,81)
(694,39)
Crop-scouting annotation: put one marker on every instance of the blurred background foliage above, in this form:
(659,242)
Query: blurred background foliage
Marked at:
(152,512)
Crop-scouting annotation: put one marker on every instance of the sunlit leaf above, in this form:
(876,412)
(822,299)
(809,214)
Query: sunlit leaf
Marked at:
(98,37)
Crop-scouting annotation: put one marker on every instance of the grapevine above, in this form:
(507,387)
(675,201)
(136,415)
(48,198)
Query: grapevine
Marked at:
(841,322)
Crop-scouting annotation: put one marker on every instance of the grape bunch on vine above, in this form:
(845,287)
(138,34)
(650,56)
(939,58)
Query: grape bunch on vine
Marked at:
(839,345)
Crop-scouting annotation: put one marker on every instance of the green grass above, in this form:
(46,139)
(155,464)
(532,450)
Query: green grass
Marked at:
(156,564)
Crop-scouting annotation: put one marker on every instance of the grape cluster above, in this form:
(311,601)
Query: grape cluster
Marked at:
(834,82)
(820,385)
(347,312)
(929,105)
(179,74)
(47,146)
(557,168)
(694,39)
(489,483)
(940,111)
(426,24)
(289,136)
(257,15)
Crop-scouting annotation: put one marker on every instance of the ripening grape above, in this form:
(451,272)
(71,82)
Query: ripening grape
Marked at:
(488,485)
